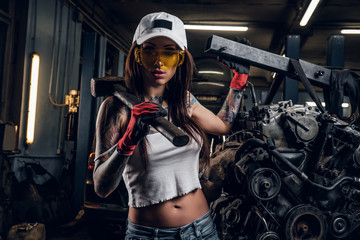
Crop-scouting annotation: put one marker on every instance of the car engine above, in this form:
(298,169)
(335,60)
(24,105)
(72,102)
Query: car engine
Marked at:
(287,172)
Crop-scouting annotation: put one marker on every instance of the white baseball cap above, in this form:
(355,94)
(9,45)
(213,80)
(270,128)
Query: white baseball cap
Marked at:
(161,24)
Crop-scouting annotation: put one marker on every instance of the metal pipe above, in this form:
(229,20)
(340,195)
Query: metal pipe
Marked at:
(253,94)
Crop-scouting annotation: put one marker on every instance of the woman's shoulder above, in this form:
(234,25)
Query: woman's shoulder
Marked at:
(112,107)
(114,103)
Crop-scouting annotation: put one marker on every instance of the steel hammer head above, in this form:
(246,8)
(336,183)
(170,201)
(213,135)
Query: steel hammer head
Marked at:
(105,86)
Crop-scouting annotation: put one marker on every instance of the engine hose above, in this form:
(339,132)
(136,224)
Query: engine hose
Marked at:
(253,94)
(270,148)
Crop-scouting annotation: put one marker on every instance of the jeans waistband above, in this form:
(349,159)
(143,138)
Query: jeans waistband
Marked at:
(176,231)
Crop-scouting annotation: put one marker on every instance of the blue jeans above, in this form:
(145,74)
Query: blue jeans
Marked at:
(201,228)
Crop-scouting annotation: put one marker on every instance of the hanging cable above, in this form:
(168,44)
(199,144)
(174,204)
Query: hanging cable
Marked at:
(65,77)
(54,102)
(53,54)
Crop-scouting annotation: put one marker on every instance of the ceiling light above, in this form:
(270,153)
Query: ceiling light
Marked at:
(309,11)
(350,31)
(313,104)
(211,83)
(216,28)
(210,72)
(206,98)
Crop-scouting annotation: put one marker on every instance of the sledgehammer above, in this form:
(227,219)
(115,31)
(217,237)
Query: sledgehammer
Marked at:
(115,86)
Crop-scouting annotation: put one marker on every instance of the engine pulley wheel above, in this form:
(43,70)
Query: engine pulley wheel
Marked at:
(340,226)
(231,214)
(264,183)
(268,236)
(305,222)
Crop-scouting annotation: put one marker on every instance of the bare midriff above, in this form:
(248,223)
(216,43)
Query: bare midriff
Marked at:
(176,212)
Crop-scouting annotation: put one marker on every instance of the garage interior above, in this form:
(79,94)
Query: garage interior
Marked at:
(46,181)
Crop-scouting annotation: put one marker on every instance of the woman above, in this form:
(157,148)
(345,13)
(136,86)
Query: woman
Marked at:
(165,196)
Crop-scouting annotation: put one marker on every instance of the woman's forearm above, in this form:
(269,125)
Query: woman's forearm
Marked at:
(231,106)
(107,175)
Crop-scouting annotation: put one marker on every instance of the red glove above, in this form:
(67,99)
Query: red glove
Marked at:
(137,127)
(239,80)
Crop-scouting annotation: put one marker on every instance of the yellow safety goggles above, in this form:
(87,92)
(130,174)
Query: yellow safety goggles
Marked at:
(150,57)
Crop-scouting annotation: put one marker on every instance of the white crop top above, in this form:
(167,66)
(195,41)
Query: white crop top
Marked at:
(171,172)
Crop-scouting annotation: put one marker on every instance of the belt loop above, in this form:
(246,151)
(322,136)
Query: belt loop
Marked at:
(197,229)
(156,233)
(181,232)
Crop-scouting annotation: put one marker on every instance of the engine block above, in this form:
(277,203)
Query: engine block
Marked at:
(287,172)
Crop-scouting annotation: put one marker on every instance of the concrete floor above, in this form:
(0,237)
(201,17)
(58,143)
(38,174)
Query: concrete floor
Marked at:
(87,230)
(78,229)
(78,232)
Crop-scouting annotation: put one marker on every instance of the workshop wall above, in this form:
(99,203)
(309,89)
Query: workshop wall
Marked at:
(55,34)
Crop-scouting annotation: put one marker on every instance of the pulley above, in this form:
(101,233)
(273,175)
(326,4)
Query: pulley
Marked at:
(340,226)
(264,183)
(231,213)
(305,222)
(268,236)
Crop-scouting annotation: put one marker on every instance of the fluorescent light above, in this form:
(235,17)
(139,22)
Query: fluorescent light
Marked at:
(30,129)
(211,72)
(211,83)
(216,27)
(309,11)
(206,98)
(350,31)
(313,104)
(345,105)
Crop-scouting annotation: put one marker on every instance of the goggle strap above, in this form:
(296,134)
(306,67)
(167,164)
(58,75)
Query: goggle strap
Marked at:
(181,58)
(137,56)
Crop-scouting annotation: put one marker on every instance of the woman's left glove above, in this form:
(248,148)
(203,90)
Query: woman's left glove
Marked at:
(138,126)
(241,71)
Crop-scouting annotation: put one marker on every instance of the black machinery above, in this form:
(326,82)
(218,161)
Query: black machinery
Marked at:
(288,171)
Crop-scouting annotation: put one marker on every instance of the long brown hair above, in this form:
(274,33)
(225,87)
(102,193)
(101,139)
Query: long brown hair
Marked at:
(176,94)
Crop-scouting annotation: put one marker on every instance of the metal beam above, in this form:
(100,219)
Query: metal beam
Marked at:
(317,75)
(291,86)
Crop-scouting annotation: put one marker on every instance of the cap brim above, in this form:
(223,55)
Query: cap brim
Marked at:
(143,39)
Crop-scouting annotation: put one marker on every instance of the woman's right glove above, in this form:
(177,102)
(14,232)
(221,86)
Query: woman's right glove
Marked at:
(138,126)
(241,71)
